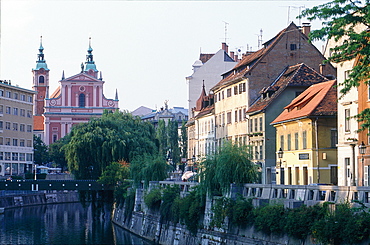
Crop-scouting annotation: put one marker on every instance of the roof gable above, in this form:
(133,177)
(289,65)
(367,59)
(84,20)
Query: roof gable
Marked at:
(318,100)
(81,77)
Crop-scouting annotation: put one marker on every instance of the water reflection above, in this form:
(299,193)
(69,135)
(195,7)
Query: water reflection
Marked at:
(62,224)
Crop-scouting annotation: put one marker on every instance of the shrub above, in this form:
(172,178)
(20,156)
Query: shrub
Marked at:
(270,219)
(168,198)
(153,199)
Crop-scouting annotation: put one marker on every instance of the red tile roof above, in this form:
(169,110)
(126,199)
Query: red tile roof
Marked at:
(38,123)
(298,75)
(56,93)
(318,100)
(248,62)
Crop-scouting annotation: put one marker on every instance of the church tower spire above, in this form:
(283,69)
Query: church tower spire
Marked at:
(90,67)
(40,81)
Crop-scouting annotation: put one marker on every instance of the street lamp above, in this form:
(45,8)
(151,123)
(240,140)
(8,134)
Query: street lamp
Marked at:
(362,149)
(280,156)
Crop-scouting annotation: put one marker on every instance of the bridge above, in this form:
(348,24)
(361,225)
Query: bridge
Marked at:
(59,185)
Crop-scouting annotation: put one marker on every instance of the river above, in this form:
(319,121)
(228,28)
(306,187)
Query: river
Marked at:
(72,223)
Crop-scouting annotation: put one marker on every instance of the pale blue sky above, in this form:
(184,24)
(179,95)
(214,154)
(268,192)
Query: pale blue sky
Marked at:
(145,49)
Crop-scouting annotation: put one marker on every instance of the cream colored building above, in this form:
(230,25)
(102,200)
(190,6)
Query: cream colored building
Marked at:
(306,135)
(347,125)
(16,129)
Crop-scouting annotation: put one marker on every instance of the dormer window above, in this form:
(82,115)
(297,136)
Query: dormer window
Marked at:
(293,46)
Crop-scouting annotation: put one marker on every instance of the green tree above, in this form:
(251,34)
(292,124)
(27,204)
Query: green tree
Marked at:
(341,22)
(148,168)
(173,142)
(111,138)
(231,164)
(161,136)
(40,151)
(57,152)
(116,172)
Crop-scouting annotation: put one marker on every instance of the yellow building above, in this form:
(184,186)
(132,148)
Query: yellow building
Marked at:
(306,137)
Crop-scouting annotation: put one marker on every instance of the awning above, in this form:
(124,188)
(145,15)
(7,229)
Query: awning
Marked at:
(187,175)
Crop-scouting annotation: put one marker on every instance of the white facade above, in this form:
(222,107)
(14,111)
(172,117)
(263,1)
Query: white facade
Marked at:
(210,72)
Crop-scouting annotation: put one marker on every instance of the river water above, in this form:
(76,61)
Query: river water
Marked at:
(72,223)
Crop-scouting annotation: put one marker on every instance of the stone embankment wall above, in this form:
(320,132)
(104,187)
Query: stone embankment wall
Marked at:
(146,223)
(38,198)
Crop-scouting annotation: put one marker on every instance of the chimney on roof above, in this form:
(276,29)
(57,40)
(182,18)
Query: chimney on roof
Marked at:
(232,55)
(306,28)
(225,47)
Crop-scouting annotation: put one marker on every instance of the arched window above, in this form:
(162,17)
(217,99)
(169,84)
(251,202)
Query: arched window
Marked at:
(81,100)
(41,79)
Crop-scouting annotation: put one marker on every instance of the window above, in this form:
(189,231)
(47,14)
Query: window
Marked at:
(29,143)
(347,117)
(241,88)
(29,157)
(8,110)
(223,95)
(261,124)
(293,46)
(30,99)
(81,100)
(29,128)
(240,115)
(15,142)
(1,125)
(15,111)
(1,92)
(235,90)
(41,79)
(22,156)
(15,96)
(250,125)
(304,139)
(261,151)
(228,92)
(256,152)
(7,156)
(21,142)
(7,125)
(229,117)
(22,127)
(333,138)
(1,109)
(23,97)
(282,142)
(7,141)
(1,141)
(8,94)
(296,141)
(29,113)
(236,115)
(255,125)
(22,112)
(55,138)
(1,155)
(15,126)
(289,142)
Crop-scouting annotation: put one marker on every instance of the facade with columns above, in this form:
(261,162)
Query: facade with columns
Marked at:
(77,99)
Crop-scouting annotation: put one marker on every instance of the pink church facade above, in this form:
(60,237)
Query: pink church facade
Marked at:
(77,99)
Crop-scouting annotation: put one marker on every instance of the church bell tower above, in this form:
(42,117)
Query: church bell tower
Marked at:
(40,82)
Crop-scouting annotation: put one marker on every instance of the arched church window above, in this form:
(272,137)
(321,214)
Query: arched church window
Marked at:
(41,79)
(81,100)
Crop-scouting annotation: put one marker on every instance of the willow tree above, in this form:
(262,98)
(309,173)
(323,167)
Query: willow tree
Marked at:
(230,165)
(342,20)
(113,137)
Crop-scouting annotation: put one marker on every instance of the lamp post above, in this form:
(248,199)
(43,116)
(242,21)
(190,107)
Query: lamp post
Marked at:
(280,156)
(362,149)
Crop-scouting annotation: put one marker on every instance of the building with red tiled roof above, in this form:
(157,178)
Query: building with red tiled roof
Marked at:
(306,134)
(292,81)
(78,99)
(241,86)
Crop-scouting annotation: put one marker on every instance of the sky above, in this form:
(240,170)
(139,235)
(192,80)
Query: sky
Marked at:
(144,49)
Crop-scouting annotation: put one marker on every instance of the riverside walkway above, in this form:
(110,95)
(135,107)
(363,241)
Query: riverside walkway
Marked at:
(291,195)
(39,185)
